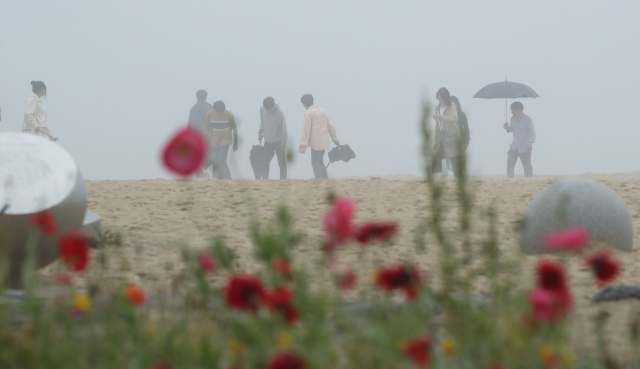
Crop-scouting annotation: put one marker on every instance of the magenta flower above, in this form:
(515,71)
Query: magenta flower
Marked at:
(572,239)
(207,262)
(338,222)
(185,152)
(550,305)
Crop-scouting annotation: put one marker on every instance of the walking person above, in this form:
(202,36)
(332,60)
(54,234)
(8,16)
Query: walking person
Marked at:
(196,120)
(524,136)
(447,133)
(35,114)
(316,130)
(220,128)
(273,128)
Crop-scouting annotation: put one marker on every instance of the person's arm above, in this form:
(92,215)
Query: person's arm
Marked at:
(261,129)
(205,129)
(306,128)
(332,132)
(191,120)
(283,129)
(507,127)
(234,130)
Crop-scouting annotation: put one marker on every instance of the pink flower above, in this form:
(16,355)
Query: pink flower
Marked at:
(207,262)
(338,223)
(573,239)
(550,305)
(346,279)
(185,152)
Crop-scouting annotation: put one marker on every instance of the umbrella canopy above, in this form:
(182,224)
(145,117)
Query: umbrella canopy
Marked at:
(505,90)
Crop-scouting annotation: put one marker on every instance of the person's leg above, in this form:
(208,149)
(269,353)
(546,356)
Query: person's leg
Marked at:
(512,158)
(314,163)
(323,169)
(268,155)
(455,165)
(282,161)
(223,168)
(213,161)
(436,165)
(317,163)
(525,158)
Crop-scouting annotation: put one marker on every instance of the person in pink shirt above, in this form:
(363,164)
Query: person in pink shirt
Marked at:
(316,130)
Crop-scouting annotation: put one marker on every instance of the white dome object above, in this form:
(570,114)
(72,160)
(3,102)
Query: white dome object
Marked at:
(36,174)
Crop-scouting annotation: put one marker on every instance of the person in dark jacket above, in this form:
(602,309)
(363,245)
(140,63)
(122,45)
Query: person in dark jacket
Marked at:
(273,128)
(463,124)
(196,121)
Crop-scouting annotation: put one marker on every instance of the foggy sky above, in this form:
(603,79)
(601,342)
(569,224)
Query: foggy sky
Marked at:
(122,75)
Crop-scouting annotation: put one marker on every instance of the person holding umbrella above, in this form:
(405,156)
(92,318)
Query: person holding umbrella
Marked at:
(447,133)
(524,136)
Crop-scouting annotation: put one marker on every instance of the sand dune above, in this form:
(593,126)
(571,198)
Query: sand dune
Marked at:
(156,216)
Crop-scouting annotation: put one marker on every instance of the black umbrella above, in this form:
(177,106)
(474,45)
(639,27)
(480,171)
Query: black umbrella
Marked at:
(505,90)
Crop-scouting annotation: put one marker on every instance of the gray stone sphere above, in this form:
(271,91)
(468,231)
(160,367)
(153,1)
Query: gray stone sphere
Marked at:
(36,174)
(576,203)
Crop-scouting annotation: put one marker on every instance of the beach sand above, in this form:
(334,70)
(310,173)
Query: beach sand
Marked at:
(156,217)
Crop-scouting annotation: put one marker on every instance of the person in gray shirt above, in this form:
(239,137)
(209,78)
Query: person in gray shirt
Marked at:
(196,121)
(524,135)
(273,128)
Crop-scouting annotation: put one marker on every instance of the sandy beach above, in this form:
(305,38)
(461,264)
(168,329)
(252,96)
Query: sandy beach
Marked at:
(157,217)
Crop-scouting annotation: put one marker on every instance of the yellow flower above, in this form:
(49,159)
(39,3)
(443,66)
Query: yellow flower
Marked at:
(448,346)
(548,356)
(82,302)
(236,348)
(283,340)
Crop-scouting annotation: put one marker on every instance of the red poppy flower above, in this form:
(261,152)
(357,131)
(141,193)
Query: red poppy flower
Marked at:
(282,267)
(74,250)
(45,221)
(244,292)
(550,305)
(375,231)
(338,221)
(605,267)
(419,351)
(401,277)
(281,300)
(551,275)
(162,365)
(346,279)
(207,262)
(136,295)
(287,360)
(573,239)
(185,152)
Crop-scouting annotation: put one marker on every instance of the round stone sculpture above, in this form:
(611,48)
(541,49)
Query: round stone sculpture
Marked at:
(572,203)
(36,174)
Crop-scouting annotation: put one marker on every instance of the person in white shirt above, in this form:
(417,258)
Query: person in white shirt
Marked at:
(35,114)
